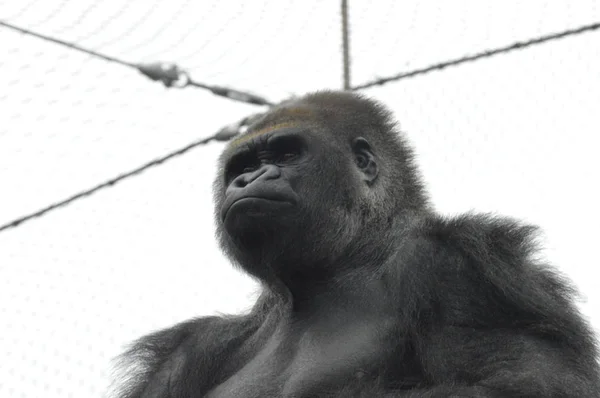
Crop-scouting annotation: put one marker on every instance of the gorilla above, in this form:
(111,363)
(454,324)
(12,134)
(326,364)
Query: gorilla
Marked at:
(366,291)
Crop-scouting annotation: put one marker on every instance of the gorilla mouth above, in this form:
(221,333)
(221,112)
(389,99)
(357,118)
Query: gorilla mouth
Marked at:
(257,202)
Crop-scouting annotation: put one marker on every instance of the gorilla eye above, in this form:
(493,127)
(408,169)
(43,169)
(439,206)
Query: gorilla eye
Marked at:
(286,148)
(362,161)
(286,157)
(240,164)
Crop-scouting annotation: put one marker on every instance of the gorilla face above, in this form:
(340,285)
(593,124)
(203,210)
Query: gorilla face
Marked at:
(262,178)
(291,190)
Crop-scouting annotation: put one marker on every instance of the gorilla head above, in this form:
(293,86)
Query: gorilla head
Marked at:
(312,185)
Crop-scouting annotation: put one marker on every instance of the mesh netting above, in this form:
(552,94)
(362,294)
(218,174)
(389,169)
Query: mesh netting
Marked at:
(515,134)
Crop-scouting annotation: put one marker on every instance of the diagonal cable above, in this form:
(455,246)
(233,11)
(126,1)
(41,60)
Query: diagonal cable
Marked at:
(169,74)
(67,44)
(224,134)
(105,184)
(483,54)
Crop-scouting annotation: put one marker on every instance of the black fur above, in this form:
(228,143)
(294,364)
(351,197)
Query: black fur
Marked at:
(367,292)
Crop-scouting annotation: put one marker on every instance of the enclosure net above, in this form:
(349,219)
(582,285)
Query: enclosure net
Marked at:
(486,115)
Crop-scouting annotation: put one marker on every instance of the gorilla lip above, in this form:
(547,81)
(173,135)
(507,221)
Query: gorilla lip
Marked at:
(281,200)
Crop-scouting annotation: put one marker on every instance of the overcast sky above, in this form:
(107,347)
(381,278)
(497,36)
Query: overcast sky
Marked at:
(515,134)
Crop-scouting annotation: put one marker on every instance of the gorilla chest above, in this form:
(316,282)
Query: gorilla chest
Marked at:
(316,361)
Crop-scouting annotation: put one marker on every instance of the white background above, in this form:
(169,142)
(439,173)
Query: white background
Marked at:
(515,134)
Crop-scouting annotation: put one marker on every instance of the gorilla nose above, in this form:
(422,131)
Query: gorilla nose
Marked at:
(264,183)
(264,172)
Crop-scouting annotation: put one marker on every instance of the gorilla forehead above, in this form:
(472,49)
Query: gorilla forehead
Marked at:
(338,114)
(255,133)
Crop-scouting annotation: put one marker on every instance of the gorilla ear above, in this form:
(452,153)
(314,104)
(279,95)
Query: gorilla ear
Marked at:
(365,160)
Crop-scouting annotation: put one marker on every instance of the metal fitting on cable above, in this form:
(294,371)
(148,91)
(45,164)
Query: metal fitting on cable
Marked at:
(172,75)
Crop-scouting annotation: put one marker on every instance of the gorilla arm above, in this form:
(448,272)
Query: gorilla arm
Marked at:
(183,360)
(491,322)
(508,326)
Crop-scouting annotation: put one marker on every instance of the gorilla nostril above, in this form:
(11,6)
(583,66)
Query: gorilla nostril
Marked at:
(239,182)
